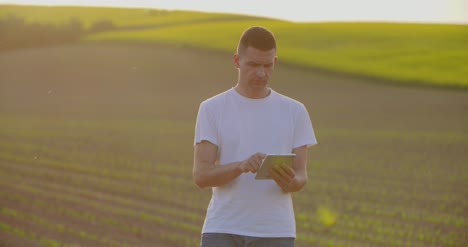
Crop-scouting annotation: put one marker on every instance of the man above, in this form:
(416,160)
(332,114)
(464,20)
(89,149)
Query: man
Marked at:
(234,131)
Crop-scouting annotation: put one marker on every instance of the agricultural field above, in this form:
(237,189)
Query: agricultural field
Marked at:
(96,147)
(120,17)
(416,54)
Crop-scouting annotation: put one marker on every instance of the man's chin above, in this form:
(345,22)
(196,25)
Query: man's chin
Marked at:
(259,84)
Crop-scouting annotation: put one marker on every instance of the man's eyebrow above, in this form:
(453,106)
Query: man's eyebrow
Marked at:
(255,63)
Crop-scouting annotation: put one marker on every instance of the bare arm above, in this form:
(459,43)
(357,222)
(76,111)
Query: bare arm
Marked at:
(295,178)
(207,174)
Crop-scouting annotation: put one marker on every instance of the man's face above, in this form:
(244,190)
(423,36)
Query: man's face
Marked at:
(255,67)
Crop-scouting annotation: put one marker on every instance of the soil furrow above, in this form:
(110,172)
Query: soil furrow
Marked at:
(124,189)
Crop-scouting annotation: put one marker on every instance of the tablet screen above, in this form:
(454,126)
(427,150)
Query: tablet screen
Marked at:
(272,160)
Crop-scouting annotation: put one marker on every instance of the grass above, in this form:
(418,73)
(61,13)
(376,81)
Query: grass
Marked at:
(414,54)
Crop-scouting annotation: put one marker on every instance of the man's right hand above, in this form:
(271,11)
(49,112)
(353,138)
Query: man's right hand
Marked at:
(252,163)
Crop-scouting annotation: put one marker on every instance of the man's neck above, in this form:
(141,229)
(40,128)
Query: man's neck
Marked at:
(253,93)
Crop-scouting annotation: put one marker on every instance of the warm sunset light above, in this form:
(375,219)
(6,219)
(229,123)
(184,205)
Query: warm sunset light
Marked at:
(426,11)
(233,123)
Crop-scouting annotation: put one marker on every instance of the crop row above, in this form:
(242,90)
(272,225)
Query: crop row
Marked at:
(348,231)
(100,218)
(399,213)
(370,192)
(173,230)
(132,189)
(135,176)
(382,231)
(27,235)
(155,215)
(393,208)
(60,228)
(381,193)
(102,158)
(129,195)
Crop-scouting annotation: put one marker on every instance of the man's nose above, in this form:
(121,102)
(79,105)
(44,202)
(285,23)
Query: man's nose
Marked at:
(261,72)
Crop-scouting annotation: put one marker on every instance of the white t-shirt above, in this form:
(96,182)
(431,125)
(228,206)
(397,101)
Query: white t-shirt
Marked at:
(241,127)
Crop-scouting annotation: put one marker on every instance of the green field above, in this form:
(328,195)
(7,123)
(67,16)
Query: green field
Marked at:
(129,179)
(121,17)
(416,54)
(98,152)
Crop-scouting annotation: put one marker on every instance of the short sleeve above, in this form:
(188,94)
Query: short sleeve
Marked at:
(303,130)
(205,127)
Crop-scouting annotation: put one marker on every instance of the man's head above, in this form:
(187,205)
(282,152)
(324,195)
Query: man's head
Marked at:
(255,60)
(257,37)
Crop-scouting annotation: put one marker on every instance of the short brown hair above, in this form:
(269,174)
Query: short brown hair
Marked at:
(257,37)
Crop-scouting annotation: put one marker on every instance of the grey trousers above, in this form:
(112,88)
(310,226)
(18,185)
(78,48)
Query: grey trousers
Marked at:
(232,240)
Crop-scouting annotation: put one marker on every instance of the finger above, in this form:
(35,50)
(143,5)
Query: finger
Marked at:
(257,161)
(289,171)
(285,173)
(279,180)
(277,173)
(252,166)
(280,170)
(259,158)
(261,155)
(276,177)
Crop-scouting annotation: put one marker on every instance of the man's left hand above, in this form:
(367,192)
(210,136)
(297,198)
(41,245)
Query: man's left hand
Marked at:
(284,177)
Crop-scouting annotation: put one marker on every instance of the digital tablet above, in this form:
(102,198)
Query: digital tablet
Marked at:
(272,160)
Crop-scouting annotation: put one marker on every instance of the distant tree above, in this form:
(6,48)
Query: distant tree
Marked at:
(156,12)
(15,32)
(101,26)
(73,30)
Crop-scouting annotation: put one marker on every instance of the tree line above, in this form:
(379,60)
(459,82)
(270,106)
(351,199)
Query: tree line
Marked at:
(16,32)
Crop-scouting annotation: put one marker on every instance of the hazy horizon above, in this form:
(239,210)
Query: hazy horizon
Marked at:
(416,11)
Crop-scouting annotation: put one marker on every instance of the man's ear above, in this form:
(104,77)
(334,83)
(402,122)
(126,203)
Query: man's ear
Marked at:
(235,60)
(276,59)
